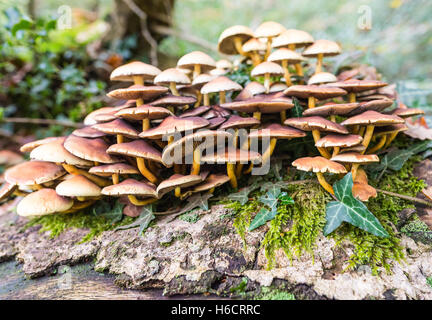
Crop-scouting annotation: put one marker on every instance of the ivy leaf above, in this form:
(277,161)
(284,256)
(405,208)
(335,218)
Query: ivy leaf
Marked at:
(195,201)
(23,24)
(262,217)
(285,199)
(270,199)
(351,210)
(143,221)
(242,196)
(113,215)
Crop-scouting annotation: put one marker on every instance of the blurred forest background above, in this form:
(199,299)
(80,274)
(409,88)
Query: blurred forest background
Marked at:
(52,67)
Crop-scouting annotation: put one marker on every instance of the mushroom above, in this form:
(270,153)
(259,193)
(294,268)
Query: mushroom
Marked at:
(197,61)
(221,85)
(213,181)
(141,150)
(250,90)
(136,92)
(172,77)
(81,188)
(231,40)
(9,158)
(6,190)
(320,49)
(286,57)
(293,39)
(177,181)
(337,141)
(144,113)
(356,159)
(171,101)
(224,65)
(371,119)
(322,78)
(43,202)
(117,127)
(253,47)
(88,132)
(198,83)
(135,71)
(269,30)
(236,122)
(232,156)
(354,86)
(332,110)
(93,117)
(316,124)
(34,144)
(133,189)
(114,170)
(319,165)
(313,93)
(386,134)
(407,112)
(267,69)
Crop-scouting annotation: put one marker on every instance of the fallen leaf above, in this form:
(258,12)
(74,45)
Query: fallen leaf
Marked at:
(418,131)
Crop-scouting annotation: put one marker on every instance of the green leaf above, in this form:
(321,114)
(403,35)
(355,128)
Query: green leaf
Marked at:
(270,199)
(297,111)
(143,221)
(285,199)
(23,24)
(242,196)
(113,215)
(351,210)
(262,217)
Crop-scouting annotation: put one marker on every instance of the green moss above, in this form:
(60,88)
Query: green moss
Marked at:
(429,281)
(190,217)
(243,215)
(418,230)
(269,293)
(58,223)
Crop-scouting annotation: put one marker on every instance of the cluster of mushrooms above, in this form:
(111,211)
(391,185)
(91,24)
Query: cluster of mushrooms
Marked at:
(137,149)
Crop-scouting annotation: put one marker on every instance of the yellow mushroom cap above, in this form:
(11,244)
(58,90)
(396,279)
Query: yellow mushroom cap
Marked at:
(318,164)
(78,186)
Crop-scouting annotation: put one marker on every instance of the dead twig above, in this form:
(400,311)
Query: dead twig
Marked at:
(408,198)
(43,121)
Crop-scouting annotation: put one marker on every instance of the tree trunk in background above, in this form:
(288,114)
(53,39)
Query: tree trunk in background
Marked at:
(137,17)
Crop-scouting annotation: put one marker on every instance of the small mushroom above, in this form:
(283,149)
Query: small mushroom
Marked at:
(133,189)
(253,47)
(197,61)
(81,188)
(220,85)
(269,30)
(88,132)
(172,77)
(28,147)
(137,92)
(144,113)
(356,159)
(354,86)
(320,49)
(43,202)
(313,93)
(114,170)
(117,127)
(337,141)
(319,165)
(322,78)
(285,57)
(198,83)
(135,71)
(250,90)
(231,40)
(267,69)
(177,181)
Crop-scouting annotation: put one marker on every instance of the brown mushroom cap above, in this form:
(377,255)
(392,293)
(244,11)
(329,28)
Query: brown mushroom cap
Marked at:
(261,103)
(92,117)
(269,29)
(56,152)
(43,202)
(215,122)
(177,180)
(318,164)
(277,87)
(89,149)
(226,39)
(117,126)
(374,118)
(374,105)
(137,148)
(176,151)
(287,55)
(332,109)
(202,79)
(170,100)
(338,140)
(254,44)
(216,111)
(278,131)
(231,156)
(172,124)
(267,67)
(137,91)
(380,131)
(88,132)
(10,158)
(144,112)
(220,84)
(6,190)
(292,36)
(189,60)
(195,112)
(171,75)
(322,77)
(316,123)
(251,89)
(407,112)
(325,47)
(355,85)
(134,68)
(131,187)
(354,157)
(78,186)
(115,168)
(214,180)
(33,172)
(318,92)
(235,121)
(34,144)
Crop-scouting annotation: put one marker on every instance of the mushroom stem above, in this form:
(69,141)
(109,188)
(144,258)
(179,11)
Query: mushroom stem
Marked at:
(311,102)
(352,97)
(75,171)
(139,102)
(390,139)
(206,99)
(211,190)
(379,145)
(173,88)
(354,169)
(199,99)
(355,129)
(316,135)
(197,70)
(196,164)
(256,59)
(323,182)
(318,68)
(231,174)
(239,166)
(80,205)
(368,135)
(333,118)
(361,131)
(335,151)
(283,116)
(287,74)
(144,171)
(138,80)
(268,50)
(115,178)
(267,82)
(138,202)
(239,46)
(257,115)
(120,138)
(145,124)
(269,151)
(222,97)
